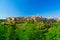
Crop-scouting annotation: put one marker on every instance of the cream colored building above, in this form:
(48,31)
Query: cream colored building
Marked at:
(57,19)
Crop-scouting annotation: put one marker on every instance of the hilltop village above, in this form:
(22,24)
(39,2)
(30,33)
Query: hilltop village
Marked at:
(37,18)
(30,28)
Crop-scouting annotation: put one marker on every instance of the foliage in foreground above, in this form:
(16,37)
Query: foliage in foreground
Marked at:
(30,30)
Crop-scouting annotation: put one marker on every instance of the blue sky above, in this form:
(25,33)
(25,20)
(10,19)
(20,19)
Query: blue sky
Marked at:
(45,8)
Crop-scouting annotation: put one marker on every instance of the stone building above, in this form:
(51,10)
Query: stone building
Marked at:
(11,19)
(57,19)
(34,18)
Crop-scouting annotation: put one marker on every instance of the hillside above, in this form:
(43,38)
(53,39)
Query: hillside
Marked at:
(30,28)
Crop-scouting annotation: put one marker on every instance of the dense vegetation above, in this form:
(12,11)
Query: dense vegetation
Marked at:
(30,30)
